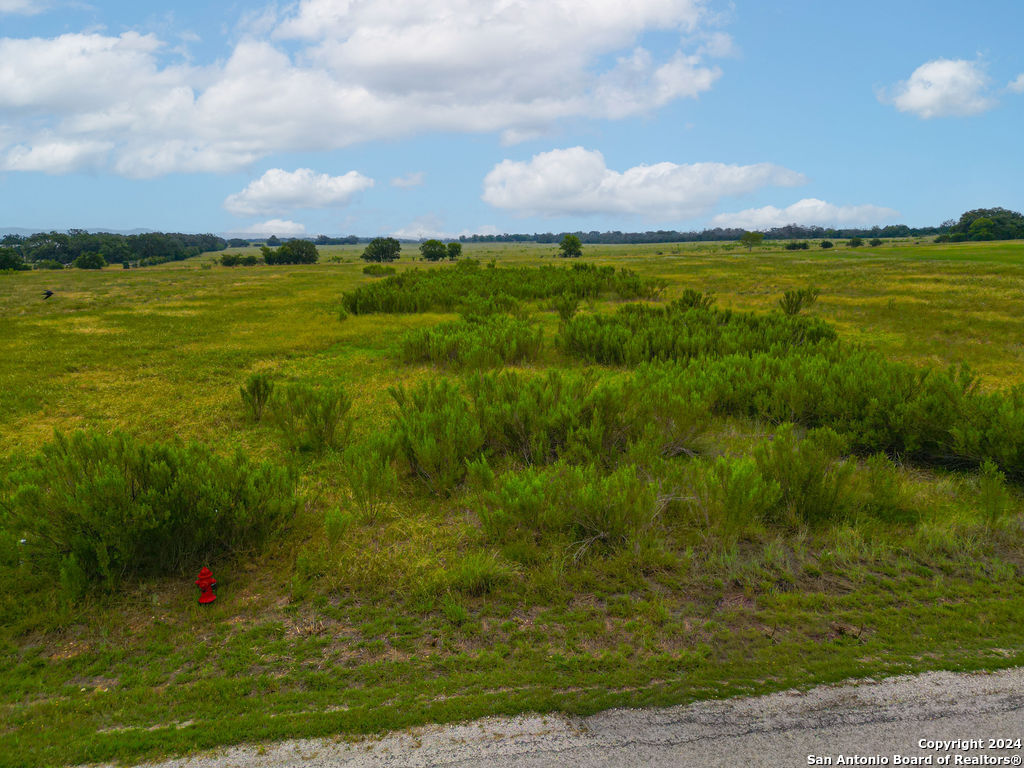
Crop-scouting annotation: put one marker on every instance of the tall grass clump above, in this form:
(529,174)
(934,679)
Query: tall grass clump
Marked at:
(436,433)
(371,477)
(256,394)
(479,343)
(814,484)
(588,509)
(378,270)
(444,289)
(792,302)
(312,419)
(96,509)
(685,330)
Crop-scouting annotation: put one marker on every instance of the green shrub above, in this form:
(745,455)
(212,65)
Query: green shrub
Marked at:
(993,495)
(566,306)
(735,495)
(590,510)
(378,270)
(312,419)
(638,333)
(814,484)
(793,301)
(481,343)
(442,290)
(95,509)
(371,477)
(436,433)
(336,524)
(90,261)
(256,394)
(692,299)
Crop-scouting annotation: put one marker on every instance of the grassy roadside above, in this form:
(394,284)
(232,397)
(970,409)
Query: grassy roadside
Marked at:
(389,630)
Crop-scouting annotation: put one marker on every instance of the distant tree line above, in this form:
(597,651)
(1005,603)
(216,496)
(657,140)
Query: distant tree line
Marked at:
(788,232)
(59,249)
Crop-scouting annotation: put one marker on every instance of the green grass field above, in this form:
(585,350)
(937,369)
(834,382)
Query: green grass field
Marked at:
(386,625)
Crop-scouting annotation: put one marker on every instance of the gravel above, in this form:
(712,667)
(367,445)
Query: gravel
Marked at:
(867,719)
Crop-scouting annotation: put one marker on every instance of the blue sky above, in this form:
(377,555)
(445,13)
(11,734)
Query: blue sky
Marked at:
(442,117)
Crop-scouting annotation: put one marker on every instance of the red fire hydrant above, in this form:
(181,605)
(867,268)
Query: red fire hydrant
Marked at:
(207,584)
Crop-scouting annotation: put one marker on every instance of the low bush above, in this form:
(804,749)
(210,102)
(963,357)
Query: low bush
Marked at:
(638,333)
(436,433)
(256,394)
(566,306)
(799,245)
(793,301)
(312,419)
(371,477)
(95,509)
(480,343)
(444,289)
(378,270)
(591,510)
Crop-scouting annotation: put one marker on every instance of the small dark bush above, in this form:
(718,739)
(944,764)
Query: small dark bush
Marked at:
(793,301)
(256,394)
(801,245)
(378,270)
(826,244)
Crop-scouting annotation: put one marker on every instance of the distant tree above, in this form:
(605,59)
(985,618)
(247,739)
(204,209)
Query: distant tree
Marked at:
(875,242)
(237,242)
(454,251)
(273,241)
(751,239)
(827,244)
(571,247)
(382,249)
(996,224)
(292,252)
(982,229)
(433,250)
(855,242)
(11,260)
(90,261)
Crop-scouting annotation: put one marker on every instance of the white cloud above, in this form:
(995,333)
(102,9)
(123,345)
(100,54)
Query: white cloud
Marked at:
(56,156)
(278,190)
(422,228)
(325,74)
(414,179)
(279,227)
(808,212)
(26,7)
(1017,86)
(576,181)
(943,88)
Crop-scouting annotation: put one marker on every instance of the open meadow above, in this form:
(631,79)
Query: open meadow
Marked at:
(525,484)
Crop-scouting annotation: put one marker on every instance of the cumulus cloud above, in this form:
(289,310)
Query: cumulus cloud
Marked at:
(943,88)
(422,228)
(576,181)
(279,227)
(278,190)
(56,156)
(1017,86)
(414,179)
(808,212)
(26,7)
(325,74)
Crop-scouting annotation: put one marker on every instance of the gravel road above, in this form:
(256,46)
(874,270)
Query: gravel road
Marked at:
(884,719)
